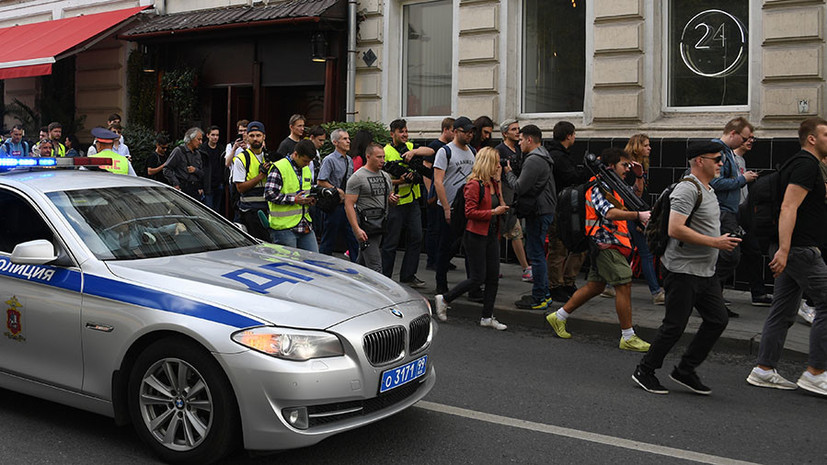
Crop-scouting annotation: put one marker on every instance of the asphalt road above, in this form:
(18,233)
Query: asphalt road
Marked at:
(519,396)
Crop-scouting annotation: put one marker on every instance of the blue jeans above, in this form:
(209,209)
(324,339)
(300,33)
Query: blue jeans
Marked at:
(406,218)
(647,265)
(335,223)
(536,230)
(293,239)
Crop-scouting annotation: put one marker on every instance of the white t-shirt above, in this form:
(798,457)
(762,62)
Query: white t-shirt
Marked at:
(457,171)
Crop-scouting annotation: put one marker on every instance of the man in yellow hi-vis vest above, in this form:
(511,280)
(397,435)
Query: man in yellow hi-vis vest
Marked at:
(56,133)
(406,215)
(104,139)
(287,191)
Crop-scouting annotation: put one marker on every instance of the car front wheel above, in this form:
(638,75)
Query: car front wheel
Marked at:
(182,404)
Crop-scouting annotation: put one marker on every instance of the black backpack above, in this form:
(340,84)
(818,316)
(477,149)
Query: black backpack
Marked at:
(763,205)
(570,217)
(657,230)
(458,219)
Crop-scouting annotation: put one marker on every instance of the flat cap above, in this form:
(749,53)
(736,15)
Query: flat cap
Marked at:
(703,147)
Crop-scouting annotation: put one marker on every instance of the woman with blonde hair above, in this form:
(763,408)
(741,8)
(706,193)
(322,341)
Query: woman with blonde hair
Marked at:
(483,203)
(638,148)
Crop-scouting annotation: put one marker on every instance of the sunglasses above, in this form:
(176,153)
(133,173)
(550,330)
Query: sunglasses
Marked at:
(714,159)
(626,164)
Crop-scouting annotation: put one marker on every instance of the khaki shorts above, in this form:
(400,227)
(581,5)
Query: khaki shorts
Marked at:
(611,268)
(515,233)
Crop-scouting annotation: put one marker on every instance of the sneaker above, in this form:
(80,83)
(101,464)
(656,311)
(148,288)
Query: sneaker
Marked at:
(441,307)
(764,300)
(414,282)
(690,381)
(608,293)
(732,314)
(772,380)
(635,344)
(558,325)
(539,305)
(807,312)
(528,277)
(525,302)
(816,384)
(649,382)
(659,298)
(493,323)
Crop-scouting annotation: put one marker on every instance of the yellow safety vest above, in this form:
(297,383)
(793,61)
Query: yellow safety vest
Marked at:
(256,194)
(407,192)
(58,149)
(120,165)
(287,216)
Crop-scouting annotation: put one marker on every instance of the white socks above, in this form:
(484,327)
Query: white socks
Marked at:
(562,314)
(627,333)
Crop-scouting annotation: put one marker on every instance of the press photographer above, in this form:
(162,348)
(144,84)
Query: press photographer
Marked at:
(249,174)
(288,197)
(334,174)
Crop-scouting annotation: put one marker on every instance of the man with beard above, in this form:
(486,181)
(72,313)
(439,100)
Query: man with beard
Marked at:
(248,175)
(183,170)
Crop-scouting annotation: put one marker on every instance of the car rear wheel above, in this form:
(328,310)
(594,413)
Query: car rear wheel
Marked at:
(182,404)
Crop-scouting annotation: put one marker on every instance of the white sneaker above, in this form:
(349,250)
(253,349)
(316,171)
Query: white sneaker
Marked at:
(659,298)
(441,307)
(772,380)
(807,312)
(816,384)
(493,323)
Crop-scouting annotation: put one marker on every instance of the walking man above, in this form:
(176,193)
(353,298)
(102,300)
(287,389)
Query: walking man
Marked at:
(728,189)
(797,264)
(368,194)
(690,280)
(606,223)
(335,172)
(535,188)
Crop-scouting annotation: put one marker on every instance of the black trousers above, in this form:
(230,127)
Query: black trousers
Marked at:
(684,291)
(251,220)
(483,257)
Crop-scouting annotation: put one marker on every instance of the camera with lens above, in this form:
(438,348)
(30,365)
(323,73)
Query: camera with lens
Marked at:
(320,192)
(398,169)
(269,157)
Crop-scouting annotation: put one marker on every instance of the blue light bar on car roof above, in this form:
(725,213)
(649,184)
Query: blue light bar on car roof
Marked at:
(10,163)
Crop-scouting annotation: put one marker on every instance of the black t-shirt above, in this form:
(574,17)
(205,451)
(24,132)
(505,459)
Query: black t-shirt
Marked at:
(154,161)
(286,148)
(811,220)
(215,158)
(513,157)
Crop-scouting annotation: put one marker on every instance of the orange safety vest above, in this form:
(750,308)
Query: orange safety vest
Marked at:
(618,229)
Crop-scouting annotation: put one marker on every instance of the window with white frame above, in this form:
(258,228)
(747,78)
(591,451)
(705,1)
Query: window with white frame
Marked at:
(426,58)
(553,56)
(708,53)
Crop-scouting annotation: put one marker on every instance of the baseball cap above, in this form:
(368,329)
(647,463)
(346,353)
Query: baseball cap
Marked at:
(255,126)
(464,124)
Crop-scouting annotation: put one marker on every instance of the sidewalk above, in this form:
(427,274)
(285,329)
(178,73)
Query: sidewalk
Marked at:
(598,315)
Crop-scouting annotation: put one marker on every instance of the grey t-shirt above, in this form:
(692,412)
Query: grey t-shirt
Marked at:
(456,171)
(372,188)
(698,260)
(742,168)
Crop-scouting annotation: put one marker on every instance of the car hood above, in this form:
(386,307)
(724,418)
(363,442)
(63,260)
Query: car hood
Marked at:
(276,284)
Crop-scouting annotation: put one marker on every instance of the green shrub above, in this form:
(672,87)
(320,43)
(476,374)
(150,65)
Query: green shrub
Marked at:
(381,134)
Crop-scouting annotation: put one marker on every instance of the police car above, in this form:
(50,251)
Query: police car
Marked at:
(127,298)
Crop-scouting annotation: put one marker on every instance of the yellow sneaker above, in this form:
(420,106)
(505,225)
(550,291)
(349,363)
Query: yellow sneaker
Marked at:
(558,325)
(634,344)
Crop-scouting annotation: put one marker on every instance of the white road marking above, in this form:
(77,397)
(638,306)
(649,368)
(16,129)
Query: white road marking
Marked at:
(581,435)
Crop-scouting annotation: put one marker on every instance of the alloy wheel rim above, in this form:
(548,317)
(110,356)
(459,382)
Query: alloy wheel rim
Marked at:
(176,404)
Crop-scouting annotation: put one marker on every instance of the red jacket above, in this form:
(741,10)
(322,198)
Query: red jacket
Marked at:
(479,213)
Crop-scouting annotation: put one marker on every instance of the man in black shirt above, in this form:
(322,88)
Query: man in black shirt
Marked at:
(213,162)
(288,145)
(797,264)
(510,226)
(155,162)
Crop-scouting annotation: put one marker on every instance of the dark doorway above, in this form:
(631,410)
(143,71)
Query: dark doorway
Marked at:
(279,103)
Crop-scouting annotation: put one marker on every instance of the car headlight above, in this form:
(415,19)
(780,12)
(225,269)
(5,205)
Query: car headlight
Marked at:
(290,344)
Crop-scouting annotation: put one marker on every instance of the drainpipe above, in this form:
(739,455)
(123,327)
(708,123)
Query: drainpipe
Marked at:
(350,104)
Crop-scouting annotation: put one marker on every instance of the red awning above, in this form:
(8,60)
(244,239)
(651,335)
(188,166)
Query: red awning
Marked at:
(30,49)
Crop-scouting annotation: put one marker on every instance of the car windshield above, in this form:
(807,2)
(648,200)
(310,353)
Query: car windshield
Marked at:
(125,223)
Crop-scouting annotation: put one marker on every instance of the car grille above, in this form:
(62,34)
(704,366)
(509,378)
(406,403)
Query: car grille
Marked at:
(330,413)
(385,346)
(420,329)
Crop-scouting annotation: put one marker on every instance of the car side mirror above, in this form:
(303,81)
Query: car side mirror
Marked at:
(37,252)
